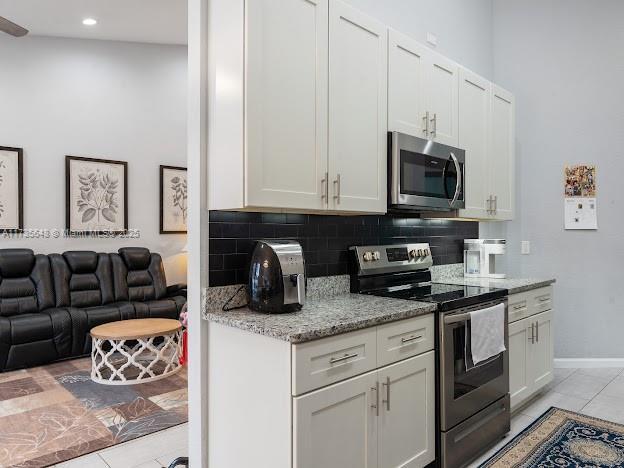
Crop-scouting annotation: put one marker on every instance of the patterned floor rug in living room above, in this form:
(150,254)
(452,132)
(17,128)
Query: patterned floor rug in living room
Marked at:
(54,413)
(561,438)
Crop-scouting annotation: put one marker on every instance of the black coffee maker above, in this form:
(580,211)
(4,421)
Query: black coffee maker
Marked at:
(277,281)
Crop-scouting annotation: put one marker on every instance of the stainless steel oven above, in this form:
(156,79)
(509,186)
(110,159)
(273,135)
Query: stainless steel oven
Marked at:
(474,400)
(424,175)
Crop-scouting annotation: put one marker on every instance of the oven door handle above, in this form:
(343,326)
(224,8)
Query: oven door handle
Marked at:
(458,184)
(449,319)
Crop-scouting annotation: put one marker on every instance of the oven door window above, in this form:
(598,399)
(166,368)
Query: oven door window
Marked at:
(468,377)
(427,176)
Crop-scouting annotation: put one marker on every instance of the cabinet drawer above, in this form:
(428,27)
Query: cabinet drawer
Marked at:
(542,300)
(403,339)
(519,306)
(323,362)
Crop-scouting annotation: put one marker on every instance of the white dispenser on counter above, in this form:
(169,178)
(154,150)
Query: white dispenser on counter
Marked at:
(480,257)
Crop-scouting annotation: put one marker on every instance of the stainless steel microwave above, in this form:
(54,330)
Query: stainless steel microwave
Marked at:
(424,175)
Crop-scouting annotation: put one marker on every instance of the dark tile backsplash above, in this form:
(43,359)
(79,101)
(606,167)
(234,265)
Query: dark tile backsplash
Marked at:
(325,239)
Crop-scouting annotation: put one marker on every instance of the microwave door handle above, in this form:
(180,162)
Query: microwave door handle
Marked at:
(459,179)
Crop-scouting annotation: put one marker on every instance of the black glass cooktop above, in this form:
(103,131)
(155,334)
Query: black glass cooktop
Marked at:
(446,296)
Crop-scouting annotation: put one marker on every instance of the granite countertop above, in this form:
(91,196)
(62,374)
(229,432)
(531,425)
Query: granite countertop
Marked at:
(513,285)
(323,317)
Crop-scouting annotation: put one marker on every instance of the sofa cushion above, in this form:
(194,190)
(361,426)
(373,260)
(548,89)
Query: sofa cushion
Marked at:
(162,308)
(25,282)
(84,319)
(82,279)
(138,275)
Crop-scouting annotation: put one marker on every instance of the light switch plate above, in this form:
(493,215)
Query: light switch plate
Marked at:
(432,39)
(526,247)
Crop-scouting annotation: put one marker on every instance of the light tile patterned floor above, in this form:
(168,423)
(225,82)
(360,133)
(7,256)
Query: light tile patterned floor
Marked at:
(152,451)
(597,392)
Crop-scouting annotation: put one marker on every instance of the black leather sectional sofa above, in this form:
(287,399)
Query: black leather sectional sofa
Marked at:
(49,303)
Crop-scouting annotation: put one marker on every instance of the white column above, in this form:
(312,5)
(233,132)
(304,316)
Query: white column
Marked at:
(197,230)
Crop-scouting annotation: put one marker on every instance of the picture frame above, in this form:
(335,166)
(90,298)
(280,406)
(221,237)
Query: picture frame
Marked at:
(11,189)
(173,200)
(96,195)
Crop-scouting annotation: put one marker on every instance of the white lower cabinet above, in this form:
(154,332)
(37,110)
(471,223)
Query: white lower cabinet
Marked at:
(385,419)
(531,347)
(407,413)
(336,427)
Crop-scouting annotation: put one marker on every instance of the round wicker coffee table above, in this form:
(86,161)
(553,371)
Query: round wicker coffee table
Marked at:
(135,351)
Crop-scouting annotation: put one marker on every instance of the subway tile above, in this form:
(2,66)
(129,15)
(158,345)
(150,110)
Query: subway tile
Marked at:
(325,239)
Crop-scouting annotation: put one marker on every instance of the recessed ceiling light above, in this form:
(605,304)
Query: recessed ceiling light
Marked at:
(89,21)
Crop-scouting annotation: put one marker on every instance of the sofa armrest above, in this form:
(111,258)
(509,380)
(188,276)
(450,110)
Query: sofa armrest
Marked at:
(176,290)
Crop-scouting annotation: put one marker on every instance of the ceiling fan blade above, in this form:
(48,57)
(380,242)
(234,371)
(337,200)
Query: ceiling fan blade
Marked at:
(11,28)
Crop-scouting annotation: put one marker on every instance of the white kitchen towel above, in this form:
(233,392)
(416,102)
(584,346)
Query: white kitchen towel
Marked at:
(487,333)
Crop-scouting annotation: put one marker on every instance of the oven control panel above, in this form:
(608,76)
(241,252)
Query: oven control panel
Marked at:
(373,259)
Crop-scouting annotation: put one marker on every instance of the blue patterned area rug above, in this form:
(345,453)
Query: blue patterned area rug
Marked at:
(561,438)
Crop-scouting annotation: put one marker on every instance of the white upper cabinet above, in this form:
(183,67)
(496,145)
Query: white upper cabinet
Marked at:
(358,64)
(422,91)
(474,133)
(441,90)
(406,85)
(502,161)
(286,103)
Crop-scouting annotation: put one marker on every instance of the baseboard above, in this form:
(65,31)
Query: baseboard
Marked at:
(578,363)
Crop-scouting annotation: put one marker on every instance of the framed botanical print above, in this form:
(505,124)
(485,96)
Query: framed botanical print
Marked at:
(96,195)
(11,189)
(173,200)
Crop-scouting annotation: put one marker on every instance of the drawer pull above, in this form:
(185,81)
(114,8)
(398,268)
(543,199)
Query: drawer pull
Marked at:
(343,358)
(410,339)
(520,306)
(387,399)
(544,299)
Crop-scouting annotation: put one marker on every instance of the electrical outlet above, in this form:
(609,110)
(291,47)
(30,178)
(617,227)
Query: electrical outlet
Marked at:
(432,39)
(526,247)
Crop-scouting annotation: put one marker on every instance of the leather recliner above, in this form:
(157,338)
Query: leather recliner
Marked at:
(49,303)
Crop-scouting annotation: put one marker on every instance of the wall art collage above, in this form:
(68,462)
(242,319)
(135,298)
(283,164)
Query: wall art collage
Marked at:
(96,195)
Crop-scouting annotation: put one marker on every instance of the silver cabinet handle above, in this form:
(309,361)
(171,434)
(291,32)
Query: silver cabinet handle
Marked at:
(537,331)
(337,189)
(435,125)
(410,339)
(495,203)
(519,306)
(426,119)
(375,406)
(458,184)
(343,358)
(387,399)
(532,333)
(325,187)
(544,299)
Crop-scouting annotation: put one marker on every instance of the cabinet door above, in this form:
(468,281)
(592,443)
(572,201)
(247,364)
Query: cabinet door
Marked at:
(474,126)
(519,361)
(541,358)
(336,427)
(286,103)
(501,155)
(358,70)
(442,99)
(407,413)
(406,76)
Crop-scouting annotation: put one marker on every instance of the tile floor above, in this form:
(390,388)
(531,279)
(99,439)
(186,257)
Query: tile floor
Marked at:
(596,392)
(152,451)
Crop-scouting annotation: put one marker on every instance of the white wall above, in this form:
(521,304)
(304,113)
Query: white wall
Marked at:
(104,99)
(463,28)
(564,60)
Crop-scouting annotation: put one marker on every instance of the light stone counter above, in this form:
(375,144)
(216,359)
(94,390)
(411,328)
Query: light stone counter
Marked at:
(320,318)
(513,285)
